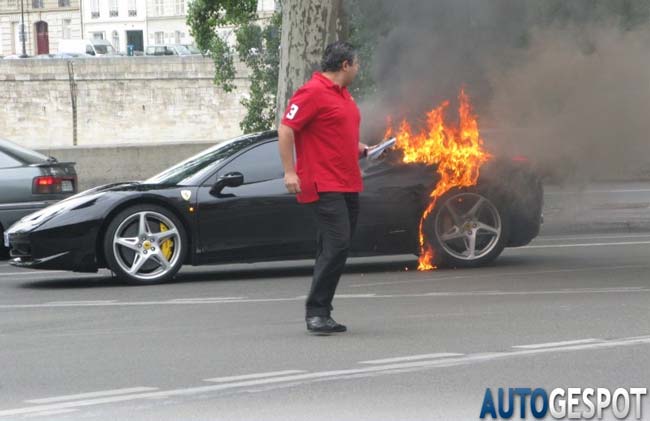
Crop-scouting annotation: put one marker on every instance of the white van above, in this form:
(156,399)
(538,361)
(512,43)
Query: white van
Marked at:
(95,47)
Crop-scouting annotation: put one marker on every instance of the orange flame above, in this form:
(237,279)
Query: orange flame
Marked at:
(457,151)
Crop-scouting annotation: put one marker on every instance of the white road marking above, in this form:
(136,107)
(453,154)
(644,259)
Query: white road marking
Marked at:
(252,376)
(296,379)
(81,302)
(198,300)
(597,191)
(588,237)
(113,392)
(411,358)
(39,273)
(557,246)
(491,274)
(621,290)
(556,344)
(55,412)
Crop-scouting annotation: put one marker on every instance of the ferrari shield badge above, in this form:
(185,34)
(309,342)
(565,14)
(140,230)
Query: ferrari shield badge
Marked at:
(186,194)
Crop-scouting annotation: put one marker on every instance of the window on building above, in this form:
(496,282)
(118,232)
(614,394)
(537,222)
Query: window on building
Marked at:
(159,37)
(133,8)
(177,37)
(64,3)
(94,9)
(65,28)
(113,9)
(37,4)
(159,7)
(179,7)
(12,4)
(115,39)
(98,35)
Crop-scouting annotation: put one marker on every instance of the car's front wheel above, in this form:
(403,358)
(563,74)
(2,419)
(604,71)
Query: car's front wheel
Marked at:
(467,229)
(145,244)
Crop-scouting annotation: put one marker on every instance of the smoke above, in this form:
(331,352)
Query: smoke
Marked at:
(566,86)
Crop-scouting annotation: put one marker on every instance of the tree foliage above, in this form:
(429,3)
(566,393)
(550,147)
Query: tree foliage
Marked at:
(257,47)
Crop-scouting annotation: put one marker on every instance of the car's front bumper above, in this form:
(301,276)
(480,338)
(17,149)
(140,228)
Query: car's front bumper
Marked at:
(53,251)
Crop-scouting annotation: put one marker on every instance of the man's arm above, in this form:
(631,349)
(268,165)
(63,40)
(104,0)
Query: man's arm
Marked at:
(285,144)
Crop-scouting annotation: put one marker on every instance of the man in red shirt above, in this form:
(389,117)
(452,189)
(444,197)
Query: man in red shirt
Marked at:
(322,121)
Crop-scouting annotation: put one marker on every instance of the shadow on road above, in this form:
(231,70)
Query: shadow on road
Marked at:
(264,272)
(223,274)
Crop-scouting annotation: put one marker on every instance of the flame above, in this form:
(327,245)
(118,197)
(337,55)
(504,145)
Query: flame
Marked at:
(456,150)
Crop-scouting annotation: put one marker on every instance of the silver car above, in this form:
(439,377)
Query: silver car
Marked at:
(30,181)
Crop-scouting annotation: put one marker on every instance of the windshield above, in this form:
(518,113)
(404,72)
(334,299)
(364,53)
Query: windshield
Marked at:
(181,50)
(24,155)
(104,49)
(205,161)
(193,49)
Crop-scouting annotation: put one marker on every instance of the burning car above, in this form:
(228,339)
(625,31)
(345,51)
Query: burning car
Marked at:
(229,204)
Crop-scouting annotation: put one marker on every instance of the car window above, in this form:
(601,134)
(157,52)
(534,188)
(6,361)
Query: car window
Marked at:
(201,165)
(261,163)
(21,154)
(101,49)
(7,161)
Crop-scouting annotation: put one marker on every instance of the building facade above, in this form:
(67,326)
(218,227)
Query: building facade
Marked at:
(167,22)
(122,22)
(46,23)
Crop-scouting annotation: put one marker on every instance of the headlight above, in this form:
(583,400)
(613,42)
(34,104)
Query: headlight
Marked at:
(38,218)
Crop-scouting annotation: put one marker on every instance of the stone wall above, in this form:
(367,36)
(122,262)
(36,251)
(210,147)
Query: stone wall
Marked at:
(99,165)
(122,100)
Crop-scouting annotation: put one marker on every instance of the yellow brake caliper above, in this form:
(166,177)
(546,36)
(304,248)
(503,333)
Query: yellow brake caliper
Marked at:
(167,246)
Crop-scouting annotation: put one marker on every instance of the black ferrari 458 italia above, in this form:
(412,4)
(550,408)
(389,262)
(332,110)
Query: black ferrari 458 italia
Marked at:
(229,204)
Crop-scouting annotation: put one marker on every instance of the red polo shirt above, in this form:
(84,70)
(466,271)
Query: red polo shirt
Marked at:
(325,120)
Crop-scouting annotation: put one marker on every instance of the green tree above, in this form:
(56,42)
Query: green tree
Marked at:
(257,47)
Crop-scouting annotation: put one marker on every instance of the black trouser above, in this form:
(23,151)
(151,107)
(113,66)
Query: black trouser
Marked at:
(336,218)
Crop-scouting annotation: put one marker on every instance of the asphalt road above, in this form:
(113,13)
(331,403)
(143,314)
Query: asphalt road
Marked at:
(229,343)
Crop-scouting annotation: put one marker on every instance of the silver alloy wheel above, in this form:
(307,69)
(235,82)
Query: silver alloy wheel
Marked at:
(137,248)
(468,226)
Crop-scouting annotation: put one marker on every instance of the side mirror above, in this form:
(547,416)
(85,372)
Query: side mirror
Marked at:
(232,179)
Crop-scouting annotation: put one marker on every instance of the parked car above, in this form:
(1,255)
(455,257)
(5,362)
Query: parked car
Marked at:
(94,47)
(167,50)
(229,204)
(30,181)
(193,49)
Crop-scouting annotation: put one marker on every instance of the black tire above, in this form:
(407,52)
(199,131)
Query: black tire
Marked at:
(450,253)
(117,256)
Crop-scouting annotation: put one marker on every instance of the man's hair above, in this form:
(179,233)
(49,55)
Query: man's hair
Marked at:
(335,54)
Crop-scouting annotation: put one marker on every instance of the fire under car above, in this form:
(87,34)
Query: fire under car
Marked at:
(229,204)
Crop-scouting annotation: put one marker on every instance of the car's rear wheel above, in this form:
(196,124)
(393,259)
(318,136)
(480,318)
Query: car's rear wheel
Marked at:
(467,229)
(145,244)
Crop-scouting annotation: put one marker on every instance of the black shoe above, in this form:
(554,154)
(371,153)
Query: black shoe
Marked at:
(324,325)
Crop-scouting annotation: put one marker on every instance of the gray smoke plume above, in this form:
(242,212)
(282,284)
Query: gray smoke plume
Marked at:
(566,83)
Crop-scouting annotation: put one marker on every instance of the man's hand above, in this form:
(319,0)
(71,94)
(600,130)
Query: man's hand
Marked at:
(292,182)
(362,149)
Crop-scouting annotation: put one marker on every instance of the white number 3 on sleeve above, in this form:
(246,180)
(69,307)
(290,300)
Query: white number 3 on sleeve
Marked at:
(292,112)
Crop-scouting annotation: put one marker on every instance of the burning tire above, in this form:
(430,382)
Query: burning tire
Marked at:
(467,229)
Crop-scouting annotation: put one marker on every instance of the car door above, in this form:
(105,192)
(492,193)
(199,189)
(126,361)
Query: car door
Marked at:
(393,198)
(258,220)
